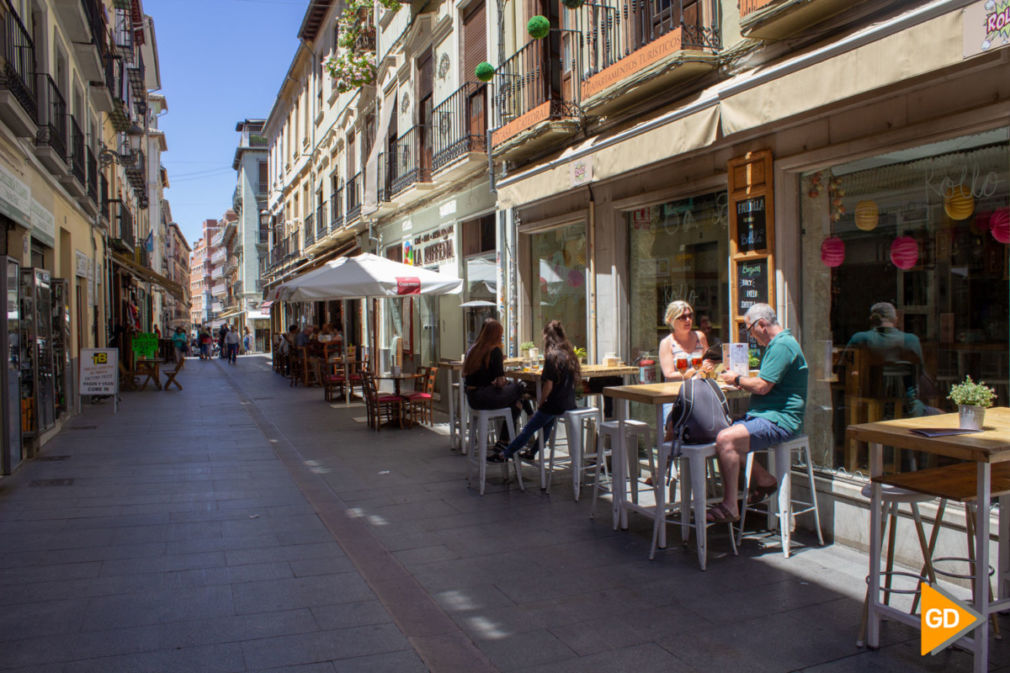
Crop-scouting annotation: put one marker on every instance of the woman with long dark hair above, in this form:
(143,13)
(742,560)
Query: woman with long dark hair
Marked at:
(484,377)
(557,392)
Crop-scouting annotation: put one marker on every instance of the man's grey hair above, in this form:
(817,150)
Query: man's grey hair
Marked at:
(761,312)
(883,310)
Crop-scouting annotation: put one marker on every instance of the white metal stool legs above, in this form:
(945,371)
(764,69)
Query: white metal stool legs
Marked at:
(575,431)
(478,439)
(782,506)
(694,498)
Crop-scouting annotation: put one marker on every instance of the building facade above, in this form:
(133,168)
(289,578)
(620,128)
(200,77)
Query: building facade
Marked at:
(73,119)
(177,254)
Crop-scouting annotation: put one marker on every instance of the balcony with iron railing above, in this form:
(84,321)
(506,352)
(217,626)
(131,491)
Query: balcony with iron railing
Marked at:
(309,229)
(353,196)
(322,223)
(459,124)
(92,162)
(337,210)
(409,161)
(103,189)
(630,49)
(51,140)
(537,95)
(122,225)
(18,85)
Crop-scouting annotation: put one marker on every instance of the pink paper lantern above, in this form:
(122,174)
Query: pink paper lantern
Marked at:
(999,225)
(904,252)
(833,251)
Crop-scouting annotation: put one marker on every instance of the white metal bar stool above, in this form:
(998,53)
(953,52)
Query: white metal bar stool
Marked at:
(694,459)
(783,506)
(576,428)
(480,422)
(623,463)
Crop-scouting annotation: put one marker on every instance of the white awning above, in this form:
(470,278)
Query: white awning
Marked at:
(687,129)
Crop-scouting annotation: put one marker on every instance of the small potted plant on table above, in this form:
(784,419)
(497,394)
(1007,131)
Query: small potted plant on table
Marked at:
(972,399)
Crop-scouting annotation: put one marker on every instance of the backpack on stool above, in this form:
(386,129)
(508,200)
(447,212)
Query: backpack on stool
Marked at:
(699,412)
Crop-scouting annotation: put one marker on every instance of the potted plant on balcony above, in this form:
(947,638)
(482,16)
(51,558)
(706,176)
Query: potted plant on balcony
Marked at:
(352,64)
(972,399)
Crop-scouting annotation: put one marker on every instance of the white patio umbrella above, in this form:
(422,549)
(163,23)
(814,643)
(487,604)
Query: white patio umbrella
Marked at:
(366,276)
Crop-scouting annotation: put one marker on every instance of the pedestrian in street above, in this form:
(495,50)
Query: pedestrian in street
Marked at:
(247,341)
(205,343)
(179,341)
(231,341)
(222,333)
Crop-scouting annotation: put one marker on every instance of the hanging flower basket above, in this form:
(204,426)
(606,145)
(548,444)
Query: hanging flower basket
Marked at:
(538,27)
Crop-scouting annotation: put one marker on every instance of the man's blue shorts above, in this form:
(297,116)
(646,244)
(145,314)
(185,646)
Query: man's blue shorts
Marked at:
(763,433)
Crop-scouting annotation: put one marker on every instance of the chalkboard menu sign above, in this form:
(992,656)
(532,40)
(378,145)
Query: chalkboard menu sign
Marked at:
(752,283)
(751,233)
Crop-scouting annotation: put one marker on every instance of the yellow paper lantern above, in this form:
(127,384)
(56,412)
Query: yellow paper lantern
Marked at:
(959,203)
(867,214)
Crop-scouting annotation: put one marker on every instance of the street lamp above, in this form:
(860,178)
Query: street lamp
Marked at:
(129,147)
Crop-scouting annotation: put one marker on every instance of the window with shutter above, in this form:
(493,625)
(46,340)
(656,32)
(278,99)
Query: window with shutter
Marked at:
(474,40)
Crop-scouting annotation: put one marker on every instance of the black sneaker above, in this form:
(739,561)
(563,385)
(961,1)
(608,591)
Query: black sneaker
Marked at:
(529,453)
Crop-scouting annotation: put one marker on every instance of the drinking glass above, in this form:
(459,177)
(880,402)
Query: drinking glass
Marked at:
(681,363)
(696,360)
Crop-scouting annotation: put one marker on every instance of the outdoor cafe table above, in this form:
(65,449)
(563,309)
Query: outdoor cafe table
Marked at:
(655,394)
(396,379)
(992,445)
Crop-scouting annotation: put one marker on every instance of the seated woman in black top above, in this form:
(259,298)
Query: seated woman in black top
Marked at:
(561,371)
(484,377)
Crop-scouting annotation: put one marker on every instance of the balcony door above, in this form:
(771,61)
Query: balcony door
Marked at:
(425,85)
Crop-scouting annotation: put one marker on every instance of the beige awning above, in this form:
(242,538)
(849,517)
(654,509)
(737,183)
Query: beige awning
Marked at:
(885,58)
(678,132)
(146,274)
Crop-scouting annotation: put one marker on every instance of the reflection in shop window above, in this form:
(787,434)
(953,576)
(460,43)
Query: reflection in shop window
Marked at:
(904,287)
(678,250)
(558,273)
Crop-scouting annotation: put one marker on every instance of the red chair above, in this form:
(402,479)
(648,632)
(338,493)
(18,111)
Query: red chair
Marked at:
(420,401)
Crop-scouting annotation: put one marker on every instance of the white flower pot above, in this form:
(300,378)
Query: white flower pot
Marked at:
(971,417)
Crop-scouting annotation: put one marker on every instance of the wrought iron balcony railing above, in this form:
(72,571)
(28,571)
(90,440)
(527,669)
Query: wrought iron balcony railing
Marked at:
(353,196)
(52,116)
(103,188)
(337,210)
(121,222)
(530,78)
(322,223)
(409,160)
(92,162)
(459,124)
(77,159)
(309,229)
(18,72)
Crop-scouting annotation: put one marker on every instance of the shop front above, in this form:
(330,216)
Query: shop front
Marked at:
(905,284)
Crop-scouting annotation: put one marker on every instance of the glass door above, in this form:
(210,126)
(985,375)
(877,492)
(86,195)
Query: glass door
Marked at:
(44,340)
(558,281)
(11,379)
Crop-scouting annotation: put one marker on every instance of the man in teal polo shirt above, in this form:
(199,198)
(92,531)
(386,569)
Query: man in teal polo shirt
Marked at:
(778,398)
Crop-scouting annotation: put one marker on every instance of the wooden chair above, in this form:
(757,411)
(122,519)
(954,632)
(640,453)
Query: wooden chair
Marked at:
(377,403)
(334,381)
(419,402)
(172,373)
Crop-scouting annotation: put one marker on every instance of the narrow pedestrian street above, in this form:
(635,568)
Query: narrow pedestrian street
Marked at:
(241,525)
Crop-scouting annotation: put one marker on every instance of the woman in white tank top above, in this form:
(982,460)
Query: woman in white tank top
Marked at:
(682,343)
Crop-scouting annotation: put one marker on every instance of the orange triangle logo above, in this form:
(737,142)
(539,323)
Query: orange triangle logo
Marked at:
(943,620)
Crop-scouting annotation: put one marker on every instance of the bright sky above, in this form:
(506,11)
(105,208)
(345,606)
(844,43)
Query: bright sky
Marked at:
(221,61)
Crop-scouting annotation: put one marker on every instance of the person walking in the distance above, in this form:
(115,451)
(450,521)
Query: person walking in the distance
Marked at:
(231,341)
(778,398)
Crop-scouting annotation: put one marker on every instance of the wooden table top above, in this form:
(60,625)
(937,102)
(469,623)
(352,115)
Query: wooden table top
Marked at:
(402,376)
(957,482)
(659,393)
(992,445)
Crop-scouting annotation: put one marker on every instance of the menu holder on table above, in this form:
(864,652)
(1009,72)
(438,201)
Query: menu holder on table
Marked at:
(943,432)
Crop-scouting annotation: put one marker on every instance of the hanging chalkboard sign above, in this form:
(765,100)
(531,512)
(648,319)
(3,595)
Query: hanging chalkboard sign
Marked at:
(752,283)
(751,233)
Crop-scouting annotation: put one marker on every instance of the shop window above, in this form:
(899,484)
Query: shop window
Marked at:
(678,250)
(558,281)
(905,287)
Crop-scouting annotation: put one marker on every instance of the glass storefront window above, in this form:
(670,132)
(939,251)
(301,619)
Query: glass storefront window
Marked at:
(481,286)
(558,281)
(677,250)
(905,286)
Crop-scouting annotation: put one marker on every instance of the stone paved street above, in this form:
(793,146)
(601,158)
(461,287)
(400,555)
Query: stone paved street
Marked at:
(241,525)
